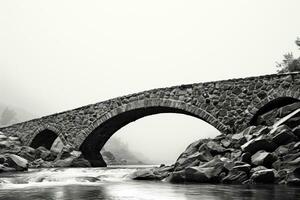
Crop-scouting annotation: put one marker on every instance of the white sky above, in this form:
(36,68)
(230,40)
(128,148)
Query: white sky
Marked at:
(58,55)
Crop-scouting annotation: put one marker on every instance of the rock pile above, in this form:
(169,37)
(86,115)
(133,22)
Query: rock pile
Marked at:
(14,157)
(266,153)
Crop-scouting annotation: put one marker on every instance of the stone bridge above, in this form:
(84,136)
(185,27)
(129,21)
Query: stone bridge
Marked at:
(228,105)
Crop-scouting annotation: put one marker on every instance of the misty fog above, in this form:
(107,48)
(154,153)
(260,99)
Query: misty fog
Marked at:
(51,61)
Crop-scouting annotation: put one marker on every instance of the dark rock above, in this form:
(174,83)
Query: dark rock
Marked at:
(6,169)
(176,177)
(296,145)
(16,162)
(80,162)
(235,177)
(226,142)
(293,178)
(281,150)
(41,150)
(263,158)
(197,174)
(215,148)
(27,152)
(268,118)
(263,176)
(259,143)
(260,130)
(246,157)
(282,135)
(258,168)
(285,110)
(87,179)
(245,168)
(206,173)
(296,131)
(293,121)
(193,159)
(146,174)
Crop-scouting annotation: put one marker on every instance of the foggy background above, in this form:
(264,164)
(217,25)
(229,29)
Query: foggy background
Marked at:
(59,55)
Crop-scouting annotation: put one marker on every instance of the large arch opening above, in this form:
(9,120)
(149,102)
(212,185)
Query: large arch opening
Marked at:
(272,106)
(45,138)
(95,141)
(155,140)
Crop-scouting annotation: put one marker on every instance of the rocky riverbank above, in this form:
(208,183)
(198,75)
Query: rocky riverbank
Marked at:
(14,157)
(266,153)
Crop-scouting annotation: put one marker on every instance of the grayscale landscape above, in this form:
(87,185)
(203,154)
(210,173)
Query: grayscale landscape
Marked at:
(142,100)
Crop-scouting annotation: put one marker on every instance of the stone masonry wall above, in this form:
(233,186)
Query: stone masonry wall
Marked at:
(228,105)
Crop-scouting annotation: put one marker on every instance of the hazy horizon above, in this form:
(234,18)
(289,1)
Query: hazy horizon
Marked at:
(60,55)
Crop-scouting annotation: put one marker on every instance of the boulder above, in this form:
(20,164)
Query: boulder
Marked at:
(63,163)
(13,138)
(259,143)
(282,135)
(206,173)
(38,163)
(296,145)
(293,178)
(6,169)
(226,142)
(263,158)
(16,162)
(263,176)
(68,161)
(27,152)
(260,130)
(80,162)
(296,131)
(281,150)
(258,168)
(246,157)
(146,174)
(268,118)
(198,174)
(245,168)
(191,160)
(285,110)
(215,148)
(5,144)
(176,177)
(235,177)
(3,137)
(293,121)
(41,150)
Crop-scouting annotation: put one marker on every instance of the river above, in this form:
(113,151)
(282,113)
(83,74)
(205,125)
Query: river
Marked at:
(114,183)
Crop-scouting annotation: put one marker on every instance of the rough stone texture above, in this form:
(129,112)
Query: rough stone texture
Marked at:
(227,105)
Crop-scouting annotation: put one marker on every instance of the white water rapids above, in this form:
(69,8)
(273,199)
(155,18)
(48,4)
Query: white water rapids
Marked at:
(114,183)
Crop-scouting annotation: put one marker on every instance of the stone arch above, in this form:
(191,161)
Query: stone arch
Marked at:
(45,136)
(274,100)
(92,139)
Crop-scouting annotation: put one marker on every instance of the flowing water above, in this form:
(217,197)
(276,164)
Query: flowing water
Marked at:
(113,183)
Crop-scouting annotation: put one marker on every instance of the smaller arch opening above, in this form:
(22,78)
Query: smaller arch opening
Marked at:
(274,104)
(44,138)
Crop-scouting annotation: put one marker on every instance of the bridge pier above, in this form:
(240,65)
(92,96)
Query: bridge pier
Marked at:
(93,156)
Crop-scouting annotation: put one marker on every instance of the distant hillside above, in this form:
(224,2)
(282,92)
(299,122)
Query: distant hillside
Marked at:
(122,154)
(11,115)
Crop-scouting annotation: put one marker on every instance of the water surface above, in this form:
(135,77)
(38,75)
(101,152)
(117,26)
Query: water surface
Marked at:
(113,183)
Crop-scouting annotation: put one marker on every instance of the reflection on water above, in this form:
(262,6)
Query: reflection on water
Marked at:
(114,184)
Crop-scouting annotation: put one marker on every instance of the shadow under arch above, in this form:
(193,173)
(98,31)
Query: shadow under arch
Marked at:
(99,133)
(45,136)
(271,105)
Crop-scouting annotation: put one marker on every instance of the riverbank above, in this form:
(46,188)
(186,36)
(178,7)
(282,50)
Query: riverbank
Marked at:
(114,183)
(268,153)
